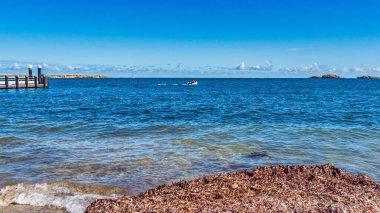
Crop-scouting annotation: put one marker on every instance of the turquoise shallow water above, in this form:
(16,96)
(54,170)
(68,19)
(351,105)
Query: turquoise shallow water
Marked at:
(139,133)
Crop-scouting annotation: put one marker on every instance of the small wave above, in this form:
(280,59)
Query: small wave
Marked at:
(161,84)
(48,195)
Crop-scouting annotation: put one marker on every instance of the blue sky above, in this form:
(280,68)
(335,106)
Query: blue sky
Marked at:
(293,34)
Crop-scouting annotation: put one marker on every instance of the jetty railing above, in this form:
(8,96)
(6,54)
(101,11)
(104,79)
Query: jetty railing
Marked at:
(13,81)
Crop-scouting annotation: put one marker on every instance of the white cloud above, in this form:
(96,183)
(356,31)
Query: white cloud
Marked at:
(309,68)
(243,70)
(375,69)
(268,66)
(16,66)
(322,69)
(241,66)
(360,69)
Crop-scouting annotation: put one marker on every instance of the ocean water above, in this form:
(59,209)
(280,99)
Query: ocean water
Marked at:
(83,139)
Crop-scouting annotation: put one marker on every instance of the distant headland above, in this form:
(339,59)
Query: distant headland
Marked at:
(77,76)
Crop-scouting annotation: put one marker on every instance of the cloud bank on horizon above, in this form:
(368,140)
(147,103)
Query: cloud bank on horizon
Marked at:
(180,70)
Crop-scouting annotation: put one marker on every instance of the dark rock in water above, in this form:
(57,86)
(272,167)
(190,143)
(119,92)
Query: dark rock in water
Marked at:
(368,77)
(239,166)
(315,76)
(261,154)
(330,76)
(266,189)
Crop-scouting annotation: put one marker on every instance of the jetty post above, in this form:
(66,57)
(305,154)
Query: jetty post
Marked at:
(46,79)
(30,68)
(6,82)
(39,73)
(17,83)
(26,82)
(35,82)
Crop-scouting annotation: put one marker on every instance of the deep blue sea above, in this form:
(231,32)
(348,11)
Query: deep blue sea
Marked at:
(140,133)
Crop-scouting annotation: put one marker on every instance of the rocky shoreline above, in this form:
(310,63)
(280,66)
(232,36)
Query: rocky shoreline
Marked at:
(279,188)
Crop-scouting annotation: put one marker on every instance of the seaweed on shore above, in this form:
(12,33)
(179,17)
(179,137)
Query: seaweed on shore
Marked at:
(267,189)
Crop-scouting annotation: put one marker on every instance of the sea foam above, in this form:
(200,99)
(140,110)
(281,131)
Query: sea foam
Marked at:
(48,195)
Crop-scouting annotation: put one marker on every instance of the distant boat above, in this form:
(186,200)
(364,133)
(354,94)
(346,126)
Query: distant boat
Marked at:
(193,82)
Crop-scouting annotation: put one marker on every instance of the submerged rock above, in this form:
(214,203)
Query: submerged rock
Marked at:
(267,189)
(260,154)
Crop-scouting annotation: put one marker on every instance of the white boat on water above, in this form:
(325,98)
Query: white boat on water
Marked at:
(193,82)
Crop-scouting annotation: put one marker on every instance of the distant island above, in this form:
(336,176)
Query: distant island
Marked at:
(77,76)
(326,76)
(368,77)
(337,76)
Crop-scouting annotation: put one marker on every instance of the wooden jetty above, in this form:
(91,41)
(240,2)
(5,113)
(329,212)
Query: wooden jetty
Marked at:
(24,81)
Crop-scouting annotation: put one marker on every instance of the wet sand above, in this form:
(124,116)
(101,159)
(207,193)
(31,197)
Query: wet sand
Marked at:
(15,208)
(278,188)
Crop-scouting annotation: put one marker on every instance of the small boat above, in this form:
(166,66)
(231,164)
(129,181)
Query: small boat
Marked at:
(193,82)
